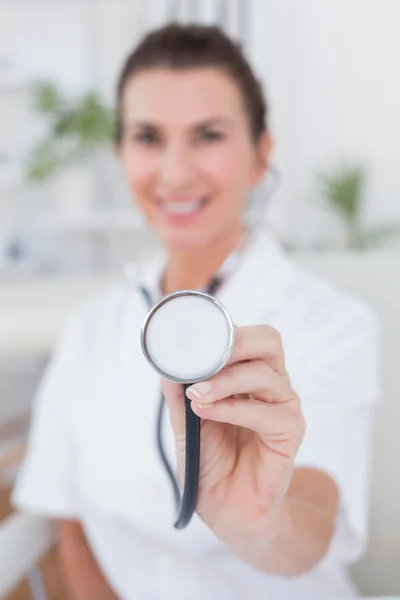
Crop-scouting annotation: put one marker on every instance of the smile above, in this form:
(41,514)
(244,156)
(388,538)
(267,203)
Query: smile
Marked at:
(182,209)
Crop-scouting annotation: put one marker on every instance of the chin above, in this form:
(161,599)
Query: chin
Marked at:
(183,238)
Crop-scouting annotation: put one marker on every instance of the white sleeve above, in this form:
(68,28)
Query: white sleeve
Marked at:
(45,482)
(338,384)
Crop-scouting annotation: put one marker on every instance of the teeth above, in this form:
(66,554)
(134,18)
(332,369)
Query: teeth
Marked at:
(182,208)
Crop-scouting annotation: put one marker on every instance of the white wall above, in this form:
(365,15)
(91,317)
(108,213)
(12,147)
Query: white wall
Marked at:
(48,41)
(337,75)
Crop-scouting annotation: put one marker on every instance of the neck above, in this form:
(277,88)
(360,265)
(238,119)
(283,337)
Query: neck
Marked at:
(193,269)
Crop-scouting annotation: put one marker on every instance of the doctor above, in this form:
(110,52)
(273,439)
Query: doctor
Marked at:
(282,507)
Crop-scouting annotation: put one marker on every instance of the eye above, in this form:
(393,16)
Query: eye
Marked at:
(147,137)
(210,135)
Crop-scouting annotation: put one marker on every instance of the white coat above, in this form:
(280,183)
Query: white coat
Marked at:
(92,454)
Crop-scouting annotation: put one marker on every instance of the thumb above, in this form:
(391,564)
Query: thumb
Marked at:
(175,398)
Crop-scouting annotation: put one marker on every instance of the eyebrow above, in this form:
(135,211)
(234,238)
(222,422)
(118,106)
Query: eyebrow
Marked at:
(205,123)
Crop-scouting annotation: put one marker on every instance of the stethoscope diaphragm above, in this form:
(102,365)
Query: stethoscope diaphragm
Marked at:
(188,336)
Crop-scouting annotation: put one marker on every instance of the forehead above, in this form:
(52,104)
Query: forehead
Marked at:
(173,96)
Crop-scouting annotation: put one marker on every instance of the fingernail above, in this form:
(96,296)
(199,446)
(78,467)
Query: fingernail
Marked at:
(200,389)
(201,406)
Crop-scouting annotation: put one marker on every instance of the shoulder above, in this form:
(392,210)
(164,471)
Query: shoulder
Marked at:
(332,345)
(300,298)
(331,335)
(99,306)
(95,319)
(320,305)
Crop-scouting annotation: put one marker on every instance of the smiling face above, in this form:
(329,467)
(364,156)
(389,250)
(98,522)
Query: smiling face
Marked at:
(188,153)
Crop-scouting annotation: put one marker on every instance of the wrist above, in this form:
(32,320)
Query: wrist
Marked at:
(257,544)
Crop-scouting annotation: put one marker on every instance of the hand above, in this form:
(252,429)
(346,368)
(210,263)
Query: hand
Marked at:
(251,430)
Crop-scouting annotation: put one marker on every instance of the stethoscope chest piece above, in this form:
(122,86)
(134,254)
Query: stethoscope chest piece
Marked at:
(188,336)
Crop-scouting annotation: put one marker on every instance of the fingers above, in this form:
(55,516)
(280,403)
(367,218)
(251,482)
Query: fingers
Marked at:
(261,342)
(280,425)
(255,378)
(256,368)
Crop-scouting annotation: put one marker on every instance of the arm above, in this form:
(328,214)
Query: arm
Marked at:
(338,442)
(252,494)
(83,577)
(302,528)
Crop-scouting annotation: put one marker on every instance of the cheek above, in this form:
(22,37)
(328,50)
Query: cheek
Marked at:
(228,168)
(139,170)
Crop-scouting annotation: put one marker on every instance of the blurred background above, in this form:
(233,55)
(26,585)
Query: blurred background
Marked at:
(331,71)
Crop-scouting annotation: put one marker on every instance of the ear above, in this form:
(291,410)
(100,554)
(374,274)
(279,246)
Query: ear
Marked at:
(263,153)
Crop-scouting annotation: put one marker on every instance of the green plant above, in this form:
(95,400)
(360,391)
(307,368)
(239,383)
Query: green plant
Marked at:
(342,188)
(76,129)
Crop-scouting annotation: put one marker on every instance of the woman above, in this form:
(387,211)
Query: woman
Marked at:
(281,509)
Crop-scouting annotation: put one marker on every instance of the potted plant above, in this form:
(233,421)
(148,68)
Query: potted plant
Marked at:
(342,188)
(364,261)
(78,130)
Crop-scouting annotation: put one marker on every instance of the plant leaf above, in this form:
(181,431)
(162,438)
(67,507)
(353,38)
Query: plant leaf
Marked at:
(342,188)
(76,128)
(94,121)
(374,237)
(43,162)
(47,98)
(64,124)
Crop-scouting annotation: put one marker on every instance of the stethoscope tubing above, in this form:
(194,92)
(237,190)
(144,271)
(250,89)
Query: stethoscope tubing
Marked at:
(192,466)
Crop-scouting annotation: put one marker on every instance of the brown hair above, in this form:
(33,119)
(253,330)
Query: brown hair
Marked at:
(178,46)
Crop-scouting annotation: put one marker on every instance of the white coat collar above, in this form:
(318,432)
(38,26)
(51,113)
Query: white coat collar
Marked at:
(257,280)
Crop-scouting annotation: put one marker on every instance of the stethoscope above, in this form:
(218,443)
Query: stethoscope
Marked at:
(188,336)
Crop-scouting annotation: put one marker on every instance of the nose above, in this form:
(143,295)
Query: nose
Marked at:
(176,170)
